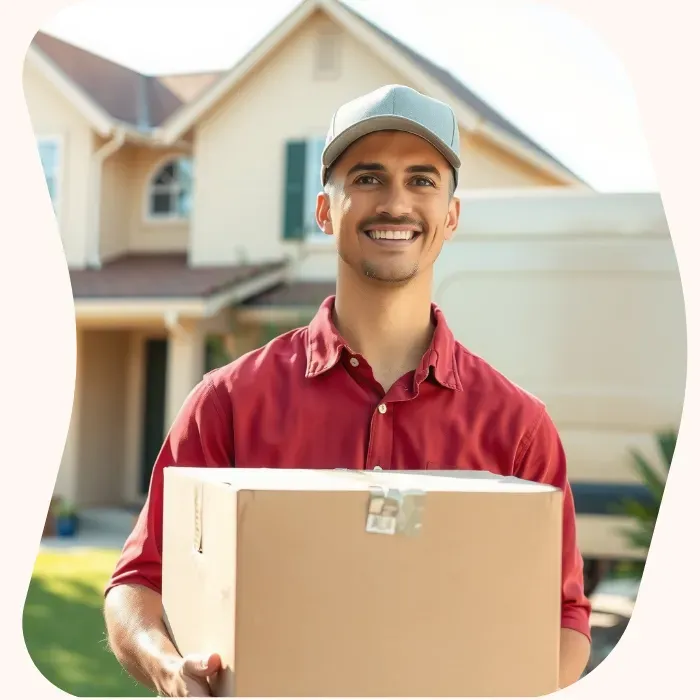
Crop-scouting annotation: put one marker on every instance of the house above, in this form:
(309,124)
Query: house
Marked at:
(185,208)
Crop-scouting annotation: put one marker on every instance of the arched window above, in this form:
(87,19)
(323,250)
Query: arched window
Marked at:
(170,195)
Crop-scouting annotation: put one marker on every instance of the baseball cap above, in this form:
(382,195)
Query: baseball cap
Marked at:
(396,108)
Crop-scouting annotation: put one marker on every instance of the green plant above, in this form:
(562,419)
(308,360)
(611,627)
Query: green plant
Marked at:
(654,480)
(66,509)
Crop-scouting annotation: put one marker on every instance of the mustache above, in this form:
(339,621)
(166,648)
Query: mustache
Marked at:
(378,221)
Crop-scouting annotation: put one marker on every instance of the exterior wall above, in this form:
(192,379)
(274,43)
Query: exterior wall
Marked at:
(486,166)
(67,479)
(101,464)
(147,235)
(116,202)
(52,115)
(239,195)
(103,371)
(125,224)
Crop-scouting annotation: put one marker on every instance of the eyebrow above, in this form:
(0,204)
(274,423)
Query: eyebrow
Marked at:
(378,167)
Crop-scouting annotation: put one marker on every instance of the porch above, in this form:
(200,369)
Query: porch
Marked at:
(148,329)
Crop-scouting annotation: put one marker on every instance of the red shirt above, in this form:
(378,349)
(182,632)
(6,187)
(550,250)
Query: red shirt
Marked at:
(306,401)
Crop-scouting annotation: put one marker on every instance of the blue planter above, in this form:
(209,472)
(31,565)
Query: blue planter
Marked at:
(66,525)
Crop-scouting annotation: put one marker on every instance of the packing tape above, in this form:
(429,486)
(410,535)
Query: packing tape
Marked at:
(391,511)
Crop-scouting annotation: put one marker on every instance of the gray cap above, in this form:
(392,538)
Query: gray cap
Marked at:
(396,108)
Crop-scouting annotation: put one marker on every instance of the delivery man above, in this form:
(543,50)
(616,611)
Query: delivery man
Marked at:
(376,379)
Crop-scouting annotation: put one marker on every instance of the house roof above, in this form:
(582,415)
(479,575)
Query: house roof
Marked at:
(164,276)
(142,101)
(461,91)
(292,294)
(148,102)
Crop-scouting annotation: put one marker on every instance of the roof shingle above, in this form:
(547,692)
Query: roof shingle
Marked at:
(147,101)
(139,100)
(161,277)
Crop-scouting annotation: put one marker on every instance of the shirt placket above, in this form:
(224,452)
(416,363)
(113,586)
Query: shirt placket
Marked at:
(381,435)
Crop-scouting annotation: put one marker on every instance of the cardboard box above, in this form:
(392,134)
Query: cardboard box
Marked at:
(339,583)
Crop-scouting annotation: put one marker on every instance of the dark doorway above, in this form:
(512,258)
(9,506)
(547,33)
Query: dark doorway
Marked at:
(156,361)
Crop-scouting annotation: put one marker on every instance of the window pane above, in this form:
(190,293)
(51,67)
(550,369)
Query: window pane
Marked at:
(312,184)
(166,175)
(184,172)
(161,203)
(48,153)
(171,189)
(184,202)
(51,184)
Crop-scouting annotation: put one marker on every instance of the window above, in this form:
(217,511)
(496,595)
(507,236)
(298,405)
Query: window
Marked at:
(303,183)
(50,154)
(170,195)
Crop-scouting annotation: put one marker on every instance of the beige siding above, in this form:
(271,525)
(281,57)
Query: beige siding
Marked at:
(67,479)
(487,166)
(103,414)
(116,195)
(239,146)
(52,115)
(125,225)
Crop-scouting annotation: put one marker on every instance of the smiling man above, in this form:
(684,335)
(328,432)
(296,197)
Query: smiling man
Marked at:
(376,379)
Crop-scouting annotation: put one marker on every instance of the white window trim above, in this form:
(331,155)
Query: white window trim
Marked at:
(59,141)
(163,219)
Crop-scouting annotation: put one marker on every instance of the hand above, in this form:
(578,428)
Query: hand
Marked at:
(188,677)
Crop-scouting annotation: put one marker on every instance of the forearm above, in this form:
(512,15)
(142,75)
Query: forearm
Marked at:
(137,635)
(574,653)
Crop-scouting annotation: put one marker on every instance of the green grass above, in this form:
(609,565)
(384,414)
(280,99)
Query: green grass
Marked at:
(64,628)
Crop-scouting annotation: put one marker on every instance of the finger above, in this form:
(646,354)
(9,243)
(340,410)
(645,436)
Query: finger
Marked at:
(201,666)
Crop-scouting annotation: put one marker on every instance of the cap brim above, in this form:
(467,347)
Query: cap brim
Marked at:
(384,122)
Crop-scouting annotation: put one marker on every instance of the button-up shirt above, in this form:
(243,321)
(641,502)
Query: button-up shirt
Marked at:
(306,400)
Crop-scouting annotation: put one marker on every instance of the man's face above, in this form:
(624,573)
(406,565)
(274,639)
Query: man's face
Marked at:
(388,204)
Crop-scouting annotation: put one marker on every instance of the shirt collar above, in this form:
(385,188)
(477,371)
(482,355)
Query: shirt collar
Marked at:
(325,346)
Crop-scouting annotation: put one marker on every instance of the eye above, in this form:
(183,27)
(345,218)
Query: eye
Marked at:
(422,181)
(364,180)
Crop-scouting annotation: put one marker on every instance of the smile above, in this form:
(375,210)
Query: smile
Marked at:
(392,237)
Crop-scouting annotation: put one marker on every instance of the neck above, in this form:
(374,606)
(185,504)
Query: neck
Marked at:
(389,325)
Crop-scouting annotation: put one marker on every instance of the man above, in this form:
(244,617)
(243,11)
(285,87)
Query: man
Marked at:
(376,379)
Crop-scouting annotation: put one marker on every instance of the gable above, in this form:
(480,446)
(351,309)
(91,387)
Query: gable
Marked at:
(318,67)
(472,113)
(240,144)
(296,85)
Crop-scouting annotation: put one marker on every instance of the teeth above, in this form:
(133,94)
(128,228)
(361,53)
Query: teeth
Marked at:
(392,235)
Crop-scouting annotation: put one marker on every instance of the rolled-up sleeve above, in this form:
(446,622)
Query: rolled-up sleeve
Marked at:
(201,436)
(542,458)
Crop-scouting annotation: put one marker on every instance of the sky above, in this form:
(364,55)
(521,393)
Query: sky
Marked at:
(542,69)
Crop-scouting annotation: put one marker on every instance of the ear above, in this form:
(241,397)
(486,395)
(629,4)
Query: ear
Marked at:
(452,218)
(323,213)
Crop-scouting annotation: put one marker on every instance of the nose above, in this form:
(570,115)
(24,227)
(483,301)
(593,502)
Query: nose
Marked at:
(395,201)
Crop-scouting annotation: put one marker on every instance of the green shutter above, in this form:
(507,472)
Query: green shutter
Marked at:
(295,170)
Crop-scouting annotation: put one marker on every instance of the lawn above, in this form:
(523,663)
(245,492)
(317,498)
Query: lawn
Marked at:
(64,629)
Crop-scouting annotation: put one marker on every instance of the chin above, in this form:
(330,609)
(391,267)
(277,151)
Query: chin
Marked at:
(389,276)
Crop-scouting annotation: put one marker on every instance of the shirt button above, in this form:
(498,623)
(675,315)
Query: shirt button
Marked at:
(354,361)
(382,408)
